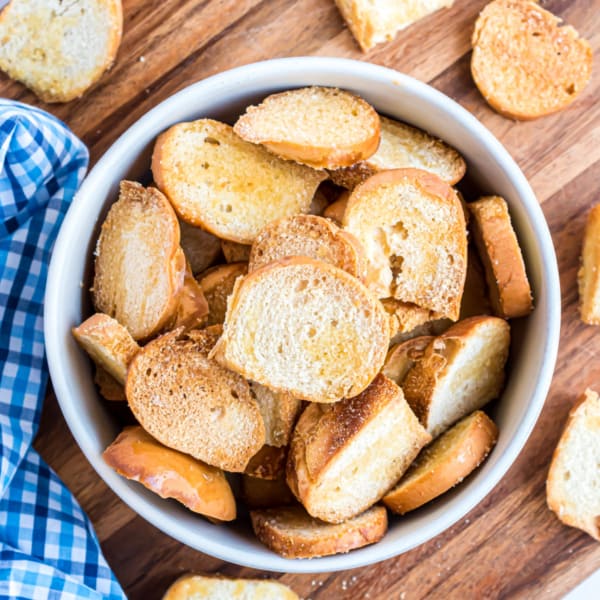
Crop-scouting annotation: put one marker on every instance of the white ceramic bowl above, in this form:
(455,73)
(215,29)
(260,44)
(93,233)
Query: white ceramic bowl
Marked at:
(224,96)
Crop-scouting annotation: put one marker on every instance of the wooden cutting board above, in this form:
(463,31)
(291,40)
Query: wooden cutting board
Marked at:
(510,545)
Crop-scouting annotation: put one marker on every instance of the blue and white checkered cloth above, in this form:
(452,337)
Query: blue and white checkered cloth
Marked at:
(48,548)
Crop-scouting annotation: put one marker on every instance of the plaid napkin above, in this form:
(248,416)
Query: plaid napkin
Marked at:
(48,548)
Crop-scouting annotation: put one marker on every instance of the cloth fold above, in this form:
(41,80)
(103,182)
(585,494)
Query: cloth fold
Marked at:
(48,548)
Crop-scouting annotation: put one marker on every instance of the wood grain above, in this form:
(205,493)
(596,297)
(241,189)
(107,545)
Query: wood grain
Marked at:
(510,545)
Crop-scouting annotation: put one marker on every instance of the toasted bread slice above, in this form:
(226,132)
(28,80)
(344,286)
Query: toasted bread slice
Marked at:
(524,63)
(267,463)
(444,463)
(190,403)
(500,252)
(266,493)
(201,587)
(316,126)
(345,456)
(589,273)
(308,235)
(192,309)
(304,327)
(201,249)
(401,358)
(139,267)
(225,185)
(279,411)
(460,371)
(335,211)
(234,252)
(403,146)
(108,343)
(171,474)
(108,387)
(292,533)
(573,485)
(372,23)
(405,317)
(412,227)
(59,49)
(217,284)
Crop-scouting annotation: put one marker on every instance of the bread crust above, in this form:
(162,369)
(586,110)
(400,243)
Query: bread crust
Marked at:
(588,277)
(475,300)
(323,158)
(496,241)
(331,156)
(568,509)
(203,489)
(292,533)
(42,66)
(444,463)
(525,65)
(335,211)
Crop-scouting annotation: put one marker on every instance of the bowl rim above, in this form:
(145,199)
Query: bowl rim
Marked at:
(550,280)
